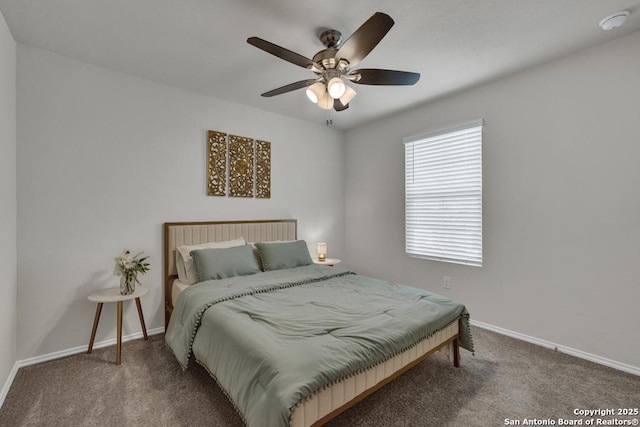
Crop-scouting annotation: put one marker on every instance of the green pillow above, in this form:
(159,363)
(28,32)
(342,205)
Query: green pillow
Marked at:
(220,263)
(278,256)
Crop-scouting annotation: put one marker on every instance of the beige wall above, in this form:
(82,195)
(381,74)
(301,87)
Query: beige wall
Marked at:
(561,201)
(105,158)
(8,242)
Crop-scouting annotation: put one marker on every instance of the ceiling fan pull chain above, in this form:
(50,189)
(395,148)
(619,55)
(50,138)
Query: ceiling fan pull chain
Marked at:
(329,121)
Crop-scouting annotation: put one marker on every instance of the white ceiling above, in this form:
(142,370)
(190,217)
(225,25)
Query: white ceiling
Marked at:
(200,45)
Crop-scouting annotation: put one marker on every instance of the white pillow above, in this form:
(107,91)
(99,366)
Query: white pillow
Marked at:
(184,262)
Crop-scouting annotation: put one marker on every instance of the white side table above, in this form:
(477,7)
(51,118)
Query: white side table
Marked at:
(113,295)
(327,261)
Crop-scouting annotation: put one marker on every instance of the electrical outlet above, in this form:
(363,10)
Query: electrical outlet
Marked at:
(446,282)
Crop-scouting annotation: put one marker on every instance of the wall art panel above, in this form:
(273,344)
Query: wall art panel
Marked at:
(217,164)
(263,169)
(241,155)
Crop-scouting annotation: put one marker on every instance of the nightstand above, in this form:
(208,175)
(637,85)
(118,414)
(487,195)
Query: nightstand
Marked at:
(113,295)
(327,261)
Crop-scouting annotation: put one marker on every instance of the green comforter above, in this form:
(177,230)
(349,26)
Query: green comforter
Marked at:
(273,339)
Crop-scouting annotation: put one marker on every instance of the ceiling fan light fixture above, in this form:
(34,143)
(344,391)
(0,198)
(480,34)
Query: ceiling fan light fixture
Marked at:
(336,87)
(325,101)
(315,92)
(349,94)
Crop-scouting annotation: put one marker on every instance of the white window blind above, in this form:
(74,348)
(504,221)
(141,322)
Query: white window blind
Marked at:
(443,195)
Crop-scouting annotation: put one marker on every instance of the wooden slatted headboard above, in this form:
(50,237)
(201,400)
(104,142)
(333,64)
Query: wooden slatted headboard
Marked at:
(193,233)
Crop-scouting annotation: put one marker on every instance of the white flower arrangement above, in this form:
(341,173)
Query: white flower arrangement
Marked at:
(129,266)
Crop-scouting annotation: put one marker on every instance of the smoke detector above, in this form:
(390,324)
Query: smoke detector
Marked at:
(615,20)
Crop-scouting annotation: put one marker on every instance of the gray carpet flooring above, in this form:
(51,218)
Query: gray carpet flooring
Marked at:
(506,379)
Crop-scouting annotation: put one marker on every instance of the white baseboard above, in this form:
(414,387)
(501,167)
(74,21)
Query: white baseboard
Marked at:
(561,348)
(65,353)
(7,384)
(83,348)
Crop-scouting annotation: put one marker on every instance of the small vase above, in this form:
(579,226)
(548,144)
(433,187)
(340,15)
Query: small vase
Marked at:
(127,287)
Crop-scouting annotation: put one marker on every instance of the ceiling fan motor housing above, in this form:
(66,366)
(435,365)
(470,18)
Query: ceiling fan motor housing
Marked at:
(326,57)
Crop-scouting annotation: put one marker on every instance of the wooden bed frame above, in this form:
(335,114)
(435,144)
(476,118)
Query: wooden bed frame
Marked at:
(336,398)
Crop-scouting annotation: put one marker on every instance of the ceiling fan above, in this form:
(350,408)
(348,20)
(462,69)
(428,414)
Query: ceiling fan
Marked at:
(334,64)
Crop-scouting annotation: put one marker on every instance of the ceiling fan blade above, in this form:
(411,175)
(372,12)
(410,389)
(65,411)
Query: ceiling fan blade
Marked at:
(365,38)
(281,52)
(339,106)
(290,87)
(374,76)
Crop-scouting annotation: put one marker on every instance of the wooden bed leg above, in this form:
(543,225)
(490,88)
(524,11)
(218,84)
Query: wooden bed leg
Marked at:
(456,352)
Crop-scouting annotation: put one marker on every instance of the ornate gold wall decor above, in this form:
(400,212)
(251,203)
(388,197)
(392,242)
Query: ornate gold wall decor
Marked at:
(217,164)
(247,163)
(240,166)
(263,169)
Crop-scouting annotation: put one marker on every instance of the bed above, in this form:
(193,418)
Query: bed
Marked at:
(300,343)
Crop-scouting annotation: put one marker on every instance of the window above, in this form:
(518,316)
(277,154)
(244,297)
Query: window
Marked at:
(443,195)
